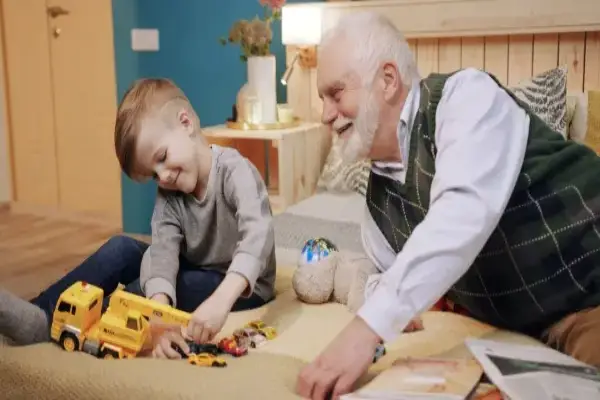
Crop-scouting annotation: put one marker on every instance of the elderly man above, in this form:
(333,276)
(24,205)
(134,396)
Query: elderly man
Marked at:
(470,195)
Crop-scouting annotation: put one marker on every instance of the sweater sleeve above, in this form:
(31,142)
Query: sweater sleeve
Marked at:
(160,263)
(245,190)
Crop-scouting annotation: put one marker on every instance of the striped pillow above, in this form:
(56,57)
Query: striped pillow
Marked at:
(545,94)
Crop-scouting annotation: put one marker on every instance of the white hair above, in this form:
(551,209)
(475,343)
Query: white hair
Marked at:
(373,39)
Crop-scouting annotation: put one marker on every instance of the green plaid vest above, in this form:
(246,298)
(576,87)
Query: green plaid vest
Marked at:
(542,261)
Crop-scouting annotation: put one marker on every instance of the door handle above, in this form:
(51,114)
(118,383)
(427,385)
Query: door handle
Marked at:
(56,11)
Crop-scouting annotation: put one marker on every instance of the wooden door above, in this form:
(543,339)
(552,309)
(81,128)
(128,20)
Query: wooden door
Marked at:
(29,103)
(85,102)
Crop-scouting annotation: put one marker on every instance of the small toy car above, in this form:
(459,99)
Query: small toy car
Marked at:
(230,346)
(379,352)
(249,336)
(197,348)
(267,331)
(206,360)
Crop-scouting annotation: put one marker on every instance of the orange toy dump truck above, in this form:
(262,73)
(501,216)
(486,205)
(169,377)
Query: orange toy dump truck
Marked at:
(79,325)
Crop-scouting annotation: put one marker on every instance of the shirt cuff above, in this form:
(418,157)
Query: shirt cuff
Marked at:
(247,266)
(160,285)
(385,314)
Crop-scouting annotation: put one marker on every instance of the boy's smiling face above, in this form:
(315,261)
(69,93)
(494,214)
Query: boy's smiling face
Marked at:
(167,152)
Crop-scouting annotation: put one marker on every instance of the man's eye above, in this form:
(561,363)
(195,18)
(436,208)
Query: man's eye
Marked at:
(163,157)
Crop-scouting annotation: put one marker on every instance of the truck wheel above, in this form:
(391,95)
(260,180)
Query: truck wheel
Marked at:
(69,342)
(108,354)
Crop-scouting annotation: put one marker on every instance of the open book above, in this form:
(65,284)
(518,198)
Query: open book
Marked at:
(422,378)
(525,372)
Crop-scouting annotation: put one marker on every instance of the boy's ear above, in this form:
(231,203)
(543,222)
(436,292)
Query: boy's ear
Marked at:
(185,121)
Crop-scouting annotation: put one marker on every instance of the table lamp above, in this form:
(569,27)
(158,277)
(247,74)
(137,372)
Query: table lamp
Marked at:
(301,27)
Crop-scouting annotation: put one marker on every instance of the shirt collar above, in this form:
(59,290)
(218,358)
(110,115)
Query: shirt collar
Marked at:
(407,118)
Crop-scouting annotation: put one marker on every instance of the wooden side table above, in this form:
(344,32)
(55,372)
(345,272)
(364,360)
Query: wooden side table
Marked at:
(301,152)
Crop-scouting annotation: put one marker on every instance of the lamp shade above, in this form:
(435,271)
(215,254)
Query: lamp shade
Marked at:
(301,24)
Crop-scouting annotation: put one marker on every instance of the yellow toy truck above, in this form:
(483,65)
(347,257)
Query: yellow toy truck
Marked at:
(79,325)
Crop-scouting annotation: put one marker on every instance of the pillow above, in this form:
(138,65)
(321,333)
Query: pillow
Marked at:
(545,94)
(338,177)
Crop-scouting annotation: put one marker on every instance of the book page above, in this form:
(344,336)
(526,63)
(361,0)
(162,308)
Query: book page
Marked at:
(423,378)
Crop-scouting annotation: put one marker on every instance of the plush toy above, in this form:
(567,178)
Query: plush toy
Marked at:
(338,277)
(343,278)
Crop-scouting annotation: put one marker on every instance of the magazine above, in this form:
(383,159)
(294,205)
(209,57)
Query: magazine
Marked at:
(524,372)
(422,378)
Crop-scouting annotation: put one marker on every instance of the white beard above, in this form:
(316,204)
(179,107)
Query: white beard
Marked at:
(358,145)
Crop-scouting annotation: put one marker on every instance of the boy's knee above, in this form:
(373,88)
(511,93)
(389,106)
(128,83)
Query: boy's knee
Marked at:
(122,243)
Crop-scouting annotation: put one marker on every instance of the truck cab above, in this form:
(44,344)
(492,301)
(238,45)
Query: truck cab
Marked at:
(77,310)
(120,334)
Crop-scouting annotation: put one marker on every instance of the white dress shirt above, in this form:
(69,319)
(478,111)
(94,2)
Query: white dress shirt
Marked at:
(481,135)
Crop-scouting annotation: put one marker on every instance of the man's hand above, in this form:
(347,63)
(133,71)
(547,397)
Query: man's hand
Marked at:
(336,370)
(343,362)
(207,320)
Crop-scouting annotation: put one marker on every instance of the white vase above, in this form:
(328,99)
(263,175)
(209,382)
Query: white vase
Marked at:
(262,80)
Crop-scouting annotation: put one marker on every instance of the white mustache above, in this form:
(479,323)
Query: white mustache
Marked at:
(340,123)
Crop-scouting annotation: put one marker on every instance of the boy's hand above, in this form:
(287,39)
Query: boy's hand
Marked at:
(161,298)
(207,320)
(163,349)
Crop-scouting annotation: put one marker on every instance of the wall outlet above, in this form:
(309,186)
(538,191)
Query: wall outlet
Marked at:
(144,39)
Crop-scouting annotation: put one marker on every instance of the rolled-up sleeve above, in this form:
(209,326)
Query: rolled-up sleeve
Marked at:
(246,191)
(160,263)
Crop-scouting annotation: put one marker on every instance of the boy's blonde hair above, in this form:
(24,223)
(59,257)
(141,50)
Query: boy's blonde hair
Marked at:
(144,97)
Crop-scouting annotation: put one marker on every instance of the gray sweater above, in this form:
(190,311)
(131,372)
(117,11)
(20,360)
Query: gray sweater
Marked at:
(230,229)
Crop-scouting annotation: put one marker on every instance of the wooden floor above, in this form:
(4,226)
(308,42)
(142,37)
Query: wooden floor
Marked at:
(35,250)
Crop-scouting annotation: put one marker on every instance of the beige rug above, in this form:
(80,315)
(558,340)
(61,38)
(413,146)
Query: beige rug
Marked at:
(47,372)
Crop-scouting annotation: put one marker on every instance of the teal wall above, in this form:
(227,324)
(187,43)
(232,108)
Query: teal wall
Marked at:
(191,55)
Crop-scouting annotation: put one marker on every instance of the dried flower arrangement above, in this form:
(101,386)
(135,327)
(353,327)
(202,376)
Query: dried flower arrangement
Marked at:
(255,36)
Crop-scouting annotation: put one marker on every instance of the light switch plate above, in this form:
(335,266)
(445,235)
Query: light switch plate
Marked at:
(144,39)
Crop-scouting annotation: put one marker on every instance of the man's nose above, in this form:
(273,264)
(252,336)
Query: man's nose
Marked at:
(329,113)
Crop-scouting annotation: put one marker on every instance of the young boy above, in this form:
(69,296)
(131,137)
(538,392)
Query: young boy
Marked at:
(212,245)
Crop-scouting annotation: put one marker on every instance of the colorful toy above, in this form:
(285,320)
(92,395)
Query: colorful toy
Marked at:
(315,250)
(340,277)
(267,331)
(206,360)
(230,346)
(121,332)
(249,337)
(197,348)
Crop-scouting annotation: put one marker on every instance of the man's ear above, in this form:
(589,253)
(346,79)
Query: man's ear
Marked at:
(392,81)
(185,121)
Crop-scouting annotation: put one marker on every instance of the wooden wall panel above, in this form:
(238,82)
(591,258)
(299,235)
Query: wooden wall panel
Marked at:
(545,52)
(571,52)
(495,55)
(449,54)
(591,77)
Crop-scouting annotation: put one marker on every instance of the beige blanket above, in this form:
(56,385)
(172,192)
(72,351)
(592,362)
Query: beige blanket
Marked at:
(47,372)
